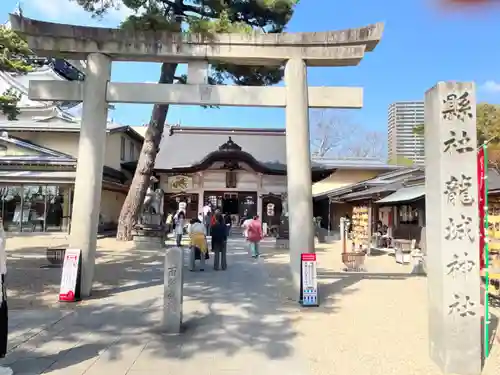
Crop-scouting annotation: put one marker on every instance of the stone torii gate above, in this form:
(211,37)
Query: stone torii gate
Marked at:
(100,46)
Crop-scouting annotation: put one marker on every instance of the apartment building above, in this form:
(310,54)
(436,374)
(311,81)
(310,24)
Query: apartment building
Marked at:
(402,140)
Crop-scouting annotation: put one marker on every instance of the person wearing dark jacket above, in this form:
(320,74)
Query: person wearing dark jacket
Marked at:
(219,238)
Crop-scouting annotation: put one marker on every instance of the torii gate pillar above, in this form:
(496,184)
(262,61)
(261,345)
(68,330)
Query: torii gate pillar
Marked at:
(298,159)
(91,153)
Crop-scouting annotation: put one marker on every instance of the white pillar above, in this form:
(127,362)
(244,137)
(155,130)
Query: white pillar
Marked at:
(91,149)
(298,167)
(200,202)
(260,191)
(260,212)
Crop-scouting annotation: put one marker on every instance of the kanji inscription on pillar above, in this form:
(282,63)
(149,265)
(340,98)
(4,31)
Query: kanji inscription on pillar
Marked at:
(460,226)
(457,107)
(452,228)
(458,141)
(459,229)
(458,189)
(462,305)
(461,264)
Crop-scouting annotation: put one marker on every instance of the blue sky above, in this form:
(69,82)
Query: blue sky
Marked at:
(422,44)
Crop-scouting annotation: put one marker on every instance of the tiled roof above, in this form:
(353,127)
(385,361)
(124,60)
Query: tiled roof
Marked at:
(382,180)
(57,124)
(356,163)
(368,193)
(187,147)
(44,151)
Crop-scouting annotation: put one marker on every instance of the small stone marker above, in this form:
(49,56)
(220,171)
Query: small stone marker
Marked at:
(452,228)
(172,299)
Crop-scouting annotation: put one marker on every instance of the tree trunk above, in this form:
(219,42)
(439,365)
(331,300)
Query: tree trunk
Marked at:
(145,165)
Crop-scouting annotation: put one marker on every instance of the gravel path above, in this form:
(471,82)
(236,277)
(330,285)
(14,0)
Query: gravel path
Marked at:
(368,324)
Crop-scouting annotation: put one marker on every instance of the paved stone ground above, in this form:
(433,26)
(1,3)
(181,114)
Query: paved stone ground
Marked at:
(233,324)
(32,284)
(240,321)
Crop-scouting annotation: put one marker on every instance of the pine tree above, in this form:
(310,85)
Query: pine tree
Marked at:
(194,16)
(14,58)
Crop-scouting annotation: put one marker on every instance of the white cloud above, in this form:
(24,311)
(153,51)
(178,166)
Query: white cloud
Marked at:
(491,87)
(67,11)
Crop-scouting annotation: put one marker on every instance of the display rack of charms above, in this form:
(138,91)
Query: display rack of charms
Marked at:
(360,226)
(494,245)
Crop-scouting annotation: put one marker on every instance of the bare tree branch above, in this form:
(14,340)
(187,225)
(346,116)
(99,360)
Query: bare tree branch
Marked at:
(333,134)
(329,130)
(368,144)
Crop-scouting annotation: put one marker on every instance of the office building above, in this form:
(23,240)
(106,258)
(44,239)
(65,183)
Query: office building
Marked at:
(403,143)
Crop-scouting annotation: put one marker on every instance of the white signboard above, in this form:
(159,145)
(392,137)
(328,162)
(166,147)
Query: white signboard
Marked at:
(309,280)
(69,291)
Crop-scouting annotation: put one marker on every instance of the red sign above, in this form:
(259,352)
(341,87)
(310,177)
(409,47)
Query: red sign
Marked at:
(308,257)
(481,174)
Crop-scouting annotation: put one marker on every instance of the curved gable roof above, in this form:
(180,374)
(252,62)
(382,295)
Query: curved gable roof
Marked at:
(189,147)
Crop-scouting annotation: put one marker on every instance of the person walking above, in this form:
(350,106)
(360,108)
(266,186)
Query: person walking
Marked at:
(179,227)
(254,236)
(219,242)
(198,244)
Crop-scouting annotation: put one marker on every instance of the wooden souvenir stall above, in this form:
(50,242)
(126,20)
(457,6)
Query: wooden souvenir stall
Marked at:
(494,244)
(361,224)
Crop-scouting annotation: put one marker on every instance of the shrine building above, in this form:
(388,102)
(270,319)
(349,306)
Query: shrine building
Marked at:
(241,171)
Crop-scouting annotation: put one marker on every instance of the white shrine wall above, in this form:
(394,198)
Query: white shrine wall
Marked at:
(273,184)
(215,180)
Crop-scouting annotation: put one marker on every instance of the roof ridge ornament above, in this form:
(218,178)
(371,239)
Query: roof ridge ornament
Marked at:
(19,10)
(230,145)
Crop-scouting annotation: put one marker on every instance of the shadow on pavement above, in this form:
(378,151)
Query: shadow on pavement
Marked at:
(247,310)
(240,310)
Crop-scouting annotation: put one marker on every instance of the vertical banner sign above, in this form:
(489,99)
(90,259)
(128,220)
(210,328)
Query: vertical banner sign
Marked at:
(309,280)
(486,256)
(481,173)
(70,278)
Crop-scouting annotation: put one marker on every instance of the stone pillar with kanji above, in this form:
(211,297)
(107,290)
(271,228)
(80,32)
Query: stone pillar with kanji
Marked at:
(452,228)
